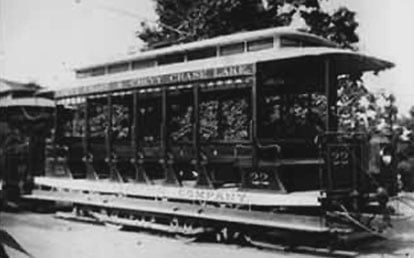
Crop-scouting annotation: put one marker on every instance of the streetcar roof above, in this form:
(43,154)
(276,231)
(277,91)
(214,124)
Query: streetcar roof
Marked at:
(12,86)
(27,102)
(214,42)
(344,62)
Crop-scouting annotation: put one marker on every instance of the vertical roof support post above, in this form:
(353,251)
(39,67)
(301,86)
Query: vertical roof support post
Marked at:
(166,160)
(203,178)
(164,133)
(137,159)
(30,156)
(52,167)
(253,130)
(331,93)
(254,95)
(196,129)
(328,126)
(110,154)
(108,132)
(88,158)
(134,130)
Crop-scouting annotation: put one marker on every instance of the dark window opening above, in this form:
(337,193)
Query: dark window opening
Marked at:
(97,71)
(296,42)
(289,42)
(232,49)
(116,68)
(202,53)
(181,117)
(142,64)
(225,116)
(170,59)
(70,128)
(288,116)
(149,114)
(71,120)
(260,44)
(22,94)
(98,117)
(121,117)
(83,74)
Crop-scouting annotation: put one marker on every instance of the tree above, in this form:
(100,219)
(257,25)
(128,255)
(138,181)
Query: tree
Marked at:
(363,111)
(190,20)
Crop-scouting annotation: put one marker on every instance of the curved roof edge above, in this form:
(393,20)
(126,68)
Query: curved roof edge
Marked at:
(216,41)
(27,102)
(346,61)
(11,86)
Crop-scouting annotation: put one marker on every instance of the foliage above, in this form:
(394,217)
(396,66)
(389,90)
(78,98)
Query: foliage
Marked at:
(339,27)
(184,21)
(408,121)
(405,151)
(190,20)
(224,119)
(363,111)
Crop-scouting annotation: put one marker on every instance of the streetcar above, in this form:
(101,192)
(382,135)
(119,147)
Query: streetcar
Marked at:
(234,134)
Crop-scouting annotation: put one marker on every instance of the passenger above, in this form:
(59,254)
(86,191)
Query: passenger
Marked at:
(276,128)
(405,168)
(312,126)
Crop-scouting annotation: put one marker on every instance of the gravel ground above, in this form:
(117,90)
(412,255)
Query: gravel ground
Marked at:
(47,237)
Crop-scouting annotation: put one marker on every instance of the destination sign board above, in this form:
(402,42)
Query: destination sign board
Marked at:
(164,79)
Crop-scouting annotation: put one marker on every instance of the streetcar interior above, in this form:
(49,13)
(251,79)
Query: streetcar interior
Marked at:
(290,116)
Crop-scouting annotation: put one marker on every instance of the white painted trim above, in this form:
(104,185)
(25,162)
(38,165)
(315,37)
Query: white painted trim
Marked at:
(212,42)
(232,196)
(232,60)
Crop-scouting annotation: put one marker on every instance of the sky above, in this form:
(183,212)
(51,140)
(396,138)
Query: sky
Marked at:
(43,40)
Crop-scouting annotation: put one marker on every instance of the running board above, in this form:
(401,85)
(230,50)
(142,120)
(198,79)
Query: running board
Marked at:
(233,216)
(235,196)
